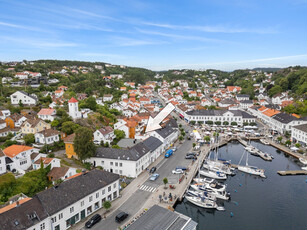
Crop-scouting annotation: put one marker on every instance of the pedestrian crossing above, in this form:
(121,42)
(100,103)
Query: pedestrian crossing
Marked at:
(148,188)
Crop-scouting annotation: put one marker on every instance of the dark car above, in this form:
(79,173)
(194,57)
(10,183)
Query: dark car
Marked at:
(94,220)
(153,169)
(190,157)
(191,153)
(121,216)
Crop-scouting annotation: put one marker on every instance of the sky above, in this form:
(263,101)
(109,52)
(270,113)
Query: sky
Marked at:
(157,34)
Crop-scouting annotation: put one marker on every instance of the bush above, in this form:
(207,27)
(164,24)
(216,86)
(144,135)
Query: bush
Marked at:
(225,123)
(234,123)
(209,122)
(218,123)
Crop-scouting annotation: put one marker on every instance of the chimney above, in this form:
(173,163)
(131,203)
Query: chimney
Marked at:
(17,203)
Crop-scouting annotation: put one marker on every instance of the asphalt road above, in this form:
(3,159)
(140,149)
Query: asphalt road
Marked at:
(137,200)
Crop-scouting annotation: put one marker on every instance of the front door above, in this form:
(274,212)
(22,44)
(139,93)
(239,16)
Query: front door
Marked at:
(82,214)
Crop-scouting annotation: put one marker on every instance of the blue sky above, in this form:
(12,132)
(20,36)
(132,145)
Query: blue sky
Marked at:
(157,34)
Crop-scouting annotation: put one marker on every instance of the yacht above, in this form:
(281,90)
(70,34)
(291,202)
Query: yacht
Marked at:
(250,169)
(303,160)
(215,175)
(198,193)
(217,166)
(218,194)
(204,203)
(213,185)
(264,156)
(264,141)
(204,180)
(252,150)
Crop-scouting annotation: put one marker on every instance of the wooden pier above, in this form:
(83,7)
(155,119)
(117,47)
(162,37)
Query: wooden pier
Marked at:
(292,172)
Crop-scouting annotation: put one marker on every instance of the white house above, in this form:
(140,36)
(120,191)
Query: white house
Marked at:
(122,125)
(47,136)
(299,134)
(166,135)
(246,104)
(2,162)
(54,162)
(61,173)
(65,204)
(46,114)
(127,162)
(73,108)
(242,97)
(4,113)
(20,155)
(24,98)
(107,97)
(2,124)
(105,135)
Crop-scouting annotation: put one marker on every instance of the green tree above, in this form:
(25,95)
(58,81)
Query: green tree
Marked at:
(91,103)
(165,181)
(107,205)
(120,134)
(288,143)
(29,139)
(55,123)
(279,139)
(83,143)
(192,122)
(180,138)
(275,90)
(207,139)
(233,123)
(297,145)
(218,123)
(225,123)
(69,127)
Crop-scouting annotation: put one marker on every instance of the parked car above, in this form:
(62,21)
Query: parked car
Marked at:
(121,216)
(177,171)
(181,167)
(154,177)
(191,153)
(94,220)
(190,157)
(153,169)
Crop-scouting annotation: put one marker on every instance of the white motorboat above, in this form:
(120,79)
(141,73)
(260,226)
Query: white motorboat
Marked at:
(250,169)
(304,168)
(218,194)
(204,203)
(198,193)
(303,160)
(213,185)
(204,180)
(217,166)
(252,150)
(264,141)
(215,175)
(264,156)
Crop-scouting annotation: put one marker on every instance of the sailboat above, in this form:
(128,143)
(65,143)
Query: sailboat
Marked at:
(303,160)
(204,203)
(250,169)
(220,194)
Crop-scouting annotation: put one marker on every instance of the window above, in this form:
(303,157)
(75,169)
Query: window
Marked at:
(82,203)
(96,205)
(42,226)
(103,191)
(60,216)
(109,189)
(90,198)
(102,162)
(114,185)
(71,209)
(116,164)
(53,220)
(97,194)
(120,164)
(120,172)
(111,163)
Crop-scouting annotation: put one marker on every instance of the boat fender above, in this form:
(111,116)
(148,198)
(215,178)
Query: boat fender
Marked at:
(235,190)
(306,181)
(240,185)
(236,203)
(231,214)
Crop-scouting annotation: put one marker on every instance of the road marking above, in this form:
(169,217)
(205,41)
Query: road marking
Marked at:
(147,188)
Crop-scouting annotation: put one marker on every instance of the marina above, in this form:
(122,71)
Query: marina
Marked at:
(250,193)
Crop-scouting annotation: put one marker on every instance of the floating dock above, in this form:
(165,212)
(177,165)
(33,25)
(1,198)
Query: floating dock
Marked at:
(292,173)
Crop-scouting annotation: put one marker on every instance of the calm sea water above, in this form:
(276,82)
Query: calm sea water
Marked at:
(277,202)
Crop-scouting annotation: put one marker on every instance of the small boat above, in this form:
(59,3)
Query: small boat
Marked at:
(250,169)
(303,160)
(264,141)
(304,168)
(204,203)
(215,175)
(204,180)
(200,194)
(252,150)
(218,194)
(216,166)
(215,185)
(265,156)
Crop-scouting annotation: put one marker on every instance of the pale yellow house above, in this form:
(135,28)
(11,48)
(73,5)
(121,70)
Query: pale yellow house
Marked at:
(34,125)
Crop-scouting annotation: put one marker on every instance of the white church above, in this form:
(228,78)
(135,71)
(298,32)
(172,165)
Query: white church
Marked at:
(74,109)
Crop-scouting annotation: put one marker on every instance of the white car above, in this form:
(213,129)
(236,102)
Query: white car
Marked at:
(177,171)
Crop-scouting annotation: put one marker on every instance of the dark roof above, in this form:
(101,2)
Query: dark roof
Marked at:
(18,218)
(172,123)
(27,94)
(247,102)
(228,101)
(152,143)
(132,154)
(284,118)
(301,127)
(69,192)
(159,218)
(165,132)
(203,112)
(128,142)
(242,95)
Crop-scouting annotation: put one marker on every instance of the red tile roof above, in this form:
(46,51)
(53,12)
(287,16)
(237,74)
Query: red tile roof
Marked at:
(72,100)
(14,150)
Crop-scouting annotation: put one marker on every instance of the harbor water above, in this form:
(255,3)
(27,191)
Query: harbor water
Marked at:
(277,202)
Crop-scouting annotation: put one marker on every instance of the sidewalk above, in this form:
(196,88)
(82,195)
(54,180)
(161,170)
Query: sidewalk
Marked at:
(178,191)
(124,195)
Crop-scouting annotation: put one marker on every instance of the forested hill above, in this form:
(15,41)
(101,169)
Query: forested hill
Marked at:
(292,79)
